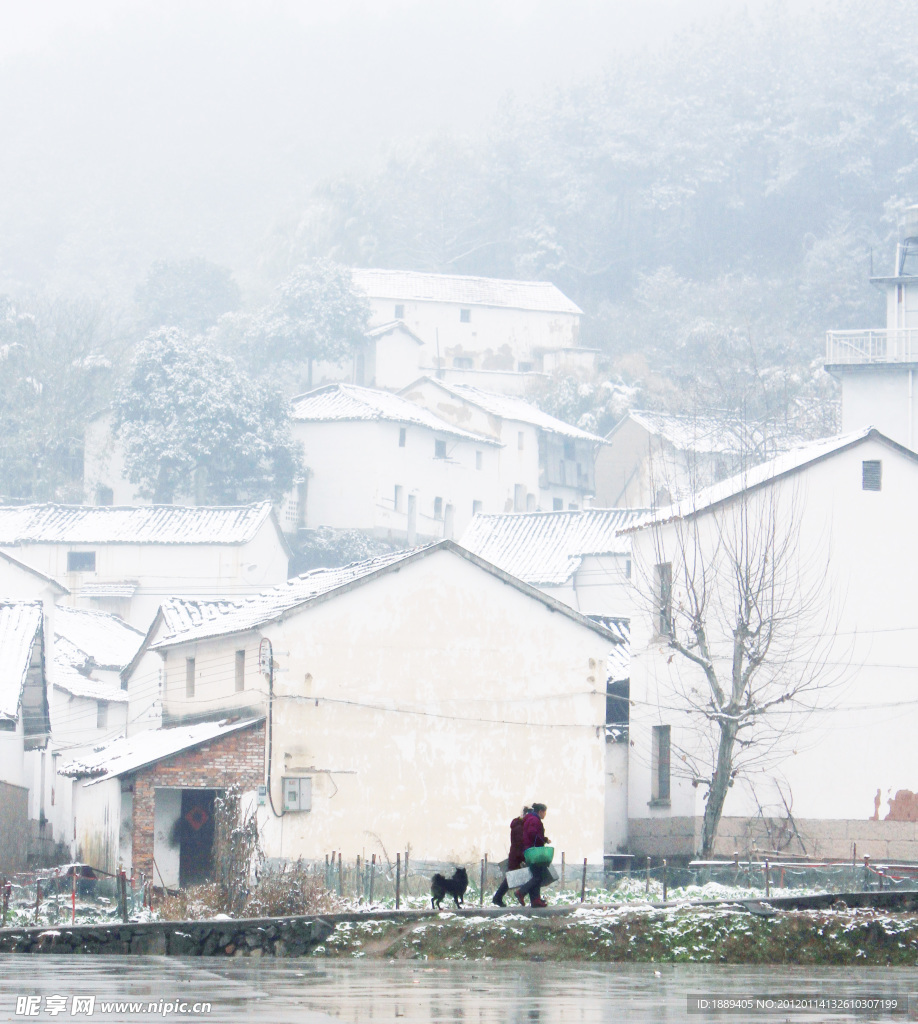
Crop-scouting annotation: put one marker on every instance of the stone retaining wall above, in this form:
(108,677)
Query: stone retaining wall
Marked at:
(287,936)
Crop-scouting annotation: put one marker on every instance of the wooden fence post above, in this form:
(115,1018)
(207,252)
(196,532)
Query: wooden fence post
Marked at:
(664,880)
(583,881)
(398,879)
(372,876)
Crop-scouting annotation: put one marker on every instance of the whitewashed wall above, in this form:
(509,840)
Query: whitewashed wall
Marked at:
(837,760)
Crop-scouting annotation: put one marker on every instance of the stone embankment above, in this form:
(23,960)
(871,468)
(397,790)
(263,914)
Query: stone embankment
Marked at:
(288,936)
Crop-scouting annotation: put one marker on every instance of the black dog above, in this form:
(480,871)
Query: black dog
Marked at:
(441,886)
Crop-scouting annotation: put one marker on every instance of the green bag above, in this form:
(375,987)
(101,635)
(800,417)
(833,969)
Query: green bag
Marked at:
(539,856)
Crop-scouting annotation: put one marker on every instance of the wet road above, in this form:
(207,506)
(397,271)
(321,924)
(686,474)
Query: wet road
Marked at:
(310,992)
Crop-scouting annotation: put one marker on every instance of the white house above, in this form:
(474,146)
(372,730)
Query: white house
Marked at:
(479,330)
(877,366)
(126,560)
(652,458)
(583,559)
(25,771)
(545,464)
(388,467)
(580,558)
(417,699)
(830,525)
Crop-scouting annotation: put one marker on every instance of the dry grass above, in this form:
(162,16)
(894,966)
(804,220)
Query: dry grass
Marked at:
(280,892)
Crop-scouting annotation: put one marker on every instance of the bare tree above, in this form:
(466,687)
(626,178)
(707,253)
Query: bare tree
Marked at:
(747,611)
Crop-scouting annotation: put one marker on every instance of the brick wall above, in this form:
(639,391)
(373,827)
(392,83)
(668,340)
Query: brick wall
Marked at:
(238,757)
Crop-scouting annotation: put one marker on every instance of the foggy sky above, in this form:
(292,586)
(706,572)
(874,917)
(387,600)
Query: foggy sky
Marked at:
(151,130)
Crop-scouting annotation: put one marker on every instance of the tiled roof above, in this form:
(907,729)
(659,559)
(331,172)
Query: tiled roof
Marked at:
(107,640)
(350,402)
(68,669)
(546,548)
(20,623)
(508,407)
(705,433)
(756,476)
(133,752)
(618,661)
(193,620)
(413,286)
(382,330)
(181,621)
(149,524)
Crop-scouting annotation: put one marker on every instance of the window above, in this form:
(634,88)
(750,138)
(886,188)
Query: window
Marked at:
(569,448)
(463,362)
(519,498)
(618,710)
(397,498)
(402,433)
(438,508)
(524,367)
(572,506)
(530,502)
(476,507)
(104,495)
(189,677)
(399,311)
(465,316)
(439,449)
(81,561)
(520,439)
(663,578)
(627,568)
(240,671)
(557,504)
(659,765)
(101,714)
(872,475)
(478,460)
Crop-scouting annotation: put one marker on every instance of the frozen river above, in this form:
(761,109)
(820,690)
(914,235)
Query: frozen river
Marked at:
(310,991)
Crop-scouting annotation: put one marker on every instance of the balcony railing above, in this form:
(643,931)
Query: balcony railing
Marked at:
(896,345)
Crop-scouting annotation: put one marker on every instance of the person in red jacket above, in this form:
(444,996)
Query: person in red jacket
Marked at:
(515,858)
(534,835)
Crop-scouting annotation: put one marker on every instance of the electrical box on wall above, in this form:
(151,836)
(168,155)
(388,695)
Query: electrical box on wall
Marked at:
(297,794)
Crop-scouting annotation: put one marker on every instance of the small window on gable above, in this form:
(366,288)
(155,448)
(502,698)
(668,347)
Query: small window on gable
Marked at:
(439,449)
(524,367)
(81,561)
(189,677)
(240,671)
(438,508)
(397,498)
(568,448)
(660,765)
(101,714)
(520,439)
(478,460)
(402,434)
(465,316)
(104,495)
(557,504)
(476,507)
(872,475)
(399,311)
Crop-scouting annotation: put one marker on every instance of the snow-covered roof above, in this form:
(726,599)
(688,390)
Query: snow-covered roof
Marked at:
(508,407)
(20,624)
(150,524)
(15,563)
(756,476)
(127,588)
(350,402)
(131,753)
(109,641)
(695,433)
(185,619)
(68,671)
(416,286)
(546,548)
(618,661)
(381,330)
(180,621)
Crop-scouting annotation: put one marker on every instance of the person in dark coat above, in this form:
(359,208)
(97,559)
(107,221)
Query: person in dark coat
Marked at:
(534,835)
(515,859)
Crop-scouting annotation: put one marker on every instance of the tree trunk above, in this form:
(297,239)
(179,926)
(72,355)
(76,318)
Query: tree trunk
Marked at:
(720,783)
